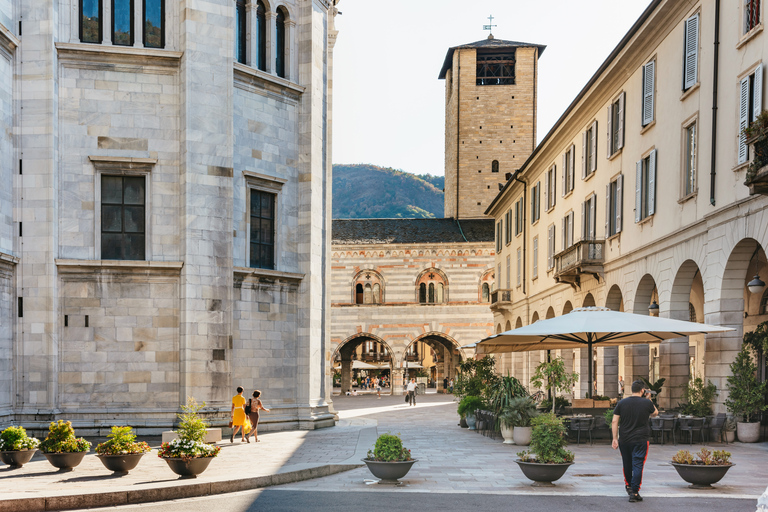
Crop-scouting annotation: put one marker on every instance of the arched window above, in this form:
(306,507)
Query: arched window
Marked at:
(280,48)
(439,294)
(240,31)
(368,295)
(423,293)
(432,287)
(376,293)
(764,304)
(261,36)
(431,298)
(495,166)
(486,293)
(359,294)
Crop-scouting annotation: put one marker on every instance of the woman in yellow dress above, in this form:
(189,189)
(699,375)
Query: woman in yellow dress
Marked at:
(238,415)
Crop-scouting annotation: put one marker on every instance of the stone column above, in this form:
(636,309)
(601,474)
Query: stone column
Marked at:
(290,51)
(673,366)
(252,36)
(608,371)
(397,381)
(106,23)
(636,358)
(721,349)
(138,24)
(346,375)
(271,28)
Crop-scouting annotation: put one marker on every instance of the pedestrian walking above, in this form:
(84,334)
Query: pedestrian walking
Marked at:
(253,407)
(377,385)
(450,386)
(237,415)
(445,384)
(630,435)
(621,387)
(411,388)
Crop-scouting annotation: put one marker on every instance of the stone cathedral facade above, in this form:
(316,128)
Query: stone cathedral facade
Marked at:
(164,209)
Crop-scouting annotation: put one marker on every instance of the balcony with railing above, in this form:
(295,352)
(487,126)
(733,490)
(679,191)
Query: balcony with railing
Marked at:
(583,257)
(500,298)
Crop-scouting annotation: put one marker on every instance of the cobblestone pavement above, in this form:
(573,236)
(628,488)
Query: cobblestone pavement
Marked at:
(452,459)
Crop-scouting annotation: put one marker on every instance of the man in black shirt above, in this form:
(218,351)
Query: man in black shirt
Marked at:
(631,437)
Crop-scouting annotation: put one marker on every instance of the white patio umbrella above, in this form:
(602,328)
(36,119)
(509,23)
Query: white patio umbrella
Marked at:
(592,326)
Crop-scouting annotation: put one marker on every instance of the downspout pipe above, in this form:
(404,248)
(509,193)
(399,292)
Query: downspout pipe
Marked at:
(713,172)
(525,224)
(458,128)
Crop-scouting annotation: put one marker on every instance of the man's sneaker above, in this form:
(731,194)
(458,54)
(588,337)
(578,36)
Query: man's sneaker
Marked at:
(635,497)
(628,489)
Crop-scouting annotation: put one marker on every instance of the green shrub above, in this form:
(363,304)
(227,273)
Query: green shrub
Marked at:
(698,397)
(560,401)
(476,377)
(192,427)
(61,439)
(703,458)
(121,441)
(504,391)
(469,404)
(389,448)
(746,396)
(608,415)
(519,413)
(15,439)
(548,441)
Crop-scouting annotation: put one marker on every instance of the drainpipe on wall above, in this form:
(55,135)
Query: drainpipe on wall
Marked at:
(525,226)
(458,126)
(712,171)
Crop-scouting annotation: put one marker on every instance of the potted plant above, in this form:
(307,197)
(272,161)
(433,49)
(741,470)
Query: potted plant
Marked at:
(524,410)
(560,404)
(506,419)
(547,460)
(703,471)
(553,374)
(698,397)
(189,455)
(655,388)
(757,136)
(746,396)
(62,449)
(16,448)
(389,460)
(121,452)
(467,407)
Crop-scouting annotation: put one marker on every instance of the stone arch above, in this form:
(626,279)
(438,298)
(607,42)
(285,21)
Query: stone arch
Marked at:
(508,326)
(431,282)
(486,285)
(518,323)
(346,349)
(535,317)
(550,313)
(615,299)
(687,276)
(589,300)
(364,279)
(498,328)
(567,307)
(443,345)
(645,293)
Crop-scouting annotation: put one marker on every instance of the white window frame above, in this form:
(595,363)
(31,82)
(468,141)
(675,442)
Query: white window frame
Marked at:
(750,106)
(589,151)
(271,185)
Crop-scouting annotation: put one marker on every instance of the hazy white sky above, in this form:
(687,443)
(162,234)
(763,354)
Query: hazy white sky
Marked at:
(388,104)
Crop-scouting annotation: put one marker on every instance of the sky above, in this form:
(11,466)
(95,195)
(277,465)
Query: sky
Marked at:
(388,104)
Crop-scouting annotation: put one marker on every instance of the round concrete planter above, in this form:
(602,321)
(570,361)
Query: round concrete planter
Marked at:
(471,421)
(188,468)
(122,463)
(730,436)
(17,458)
(389,472)
(522,436)
(543,474)
(65,461)
(507,433)
(701,476)
(748,432)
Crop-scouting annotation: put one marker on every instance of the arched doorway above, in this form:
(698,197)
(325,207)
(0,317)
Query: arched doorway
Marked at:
(535,317)
(643,360)
(550,313)
(589,301)
(359,356)
(568,307)
(615,300)
(429,359)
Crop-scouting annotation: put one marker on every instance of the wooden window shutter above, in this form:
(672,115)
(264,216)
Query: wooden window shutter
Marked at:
(608,210)
(638,190)
(565,231)
(553,195)
(572,170)
(757,105)
(691,62)
(619,201)
(649,73)
(565,170)
(550,246)
(609,134)
(584,229)
(547,177)
(592,217)
(743,118)
(620,128)
(535,257)
(584,142)
(593,144)
(652,183)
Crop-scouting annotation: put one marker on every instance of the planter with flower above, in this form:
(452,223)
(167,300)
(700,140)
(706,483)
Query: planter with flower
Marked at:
(16,448)
(121,452)
(547,460)
(389,460)
(468,407)
(189,455)
(707,468)
(62,449)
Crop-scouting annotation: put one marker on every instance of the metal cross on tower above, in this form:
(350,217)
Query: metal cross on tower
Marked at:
(489,27)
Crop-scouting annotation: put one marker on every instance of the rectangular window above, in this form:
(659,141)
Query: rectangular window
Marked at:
(551,247)
(588,223)
(616,125)
(645,187)
(122,22)
(689,164)
(519,266)
(519,205)
(123,217)
(691,52)
(568,174)
(751,14)
(649,89)
(90,21)
(498,235)
(567,231)
(550,187)
(535,266)
(498,279)
(262,229)
(750,106)
(536,202)
(588,150)
(613,206)
(154,23)
(495,68)
(240,32)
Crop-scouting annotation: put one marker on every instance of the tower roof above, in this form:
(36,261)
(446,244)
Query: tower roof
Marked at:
(485,44)
(411,231)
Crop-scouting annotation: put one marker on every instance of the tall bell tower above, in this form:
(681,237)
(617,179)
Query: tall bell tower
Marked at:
(490,119)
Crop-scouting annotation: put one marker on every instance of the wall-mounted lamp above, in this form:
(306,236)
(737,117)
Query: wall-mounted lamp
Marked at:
(756,285)
(653,309)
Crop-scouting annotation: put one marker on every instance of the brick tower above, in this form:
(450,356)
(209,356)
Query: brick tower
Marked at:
(490,119)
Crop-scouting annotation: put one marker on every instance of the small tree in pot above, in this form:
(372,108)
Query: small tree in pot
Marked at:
(547,460)
(62,449)
(746,396)
(389,460)
(16,448)
(698,397)
(523,412)
(121,452)
(189,455)
(554,376)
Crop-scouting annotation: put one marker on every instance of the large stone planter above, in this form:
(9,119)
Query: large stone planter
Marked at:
(65,461)
(507,434)
(748,432)
(543,474)
(471,421)
(701,476)
(188,468)
(120,464)
(17,458)
(389,472)
(522,435)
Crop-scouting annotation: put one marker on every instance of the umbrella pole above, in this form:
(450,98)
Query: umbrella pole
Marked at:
(589,363)
(549,389)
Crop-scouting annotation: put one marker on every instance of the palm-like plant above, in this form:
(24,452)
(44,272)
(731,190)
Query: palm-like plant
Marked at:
(504,391)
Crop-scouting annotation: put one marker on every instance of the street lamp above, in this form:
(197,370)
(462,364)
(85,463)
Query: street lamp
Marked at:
(653,309)
(756,285)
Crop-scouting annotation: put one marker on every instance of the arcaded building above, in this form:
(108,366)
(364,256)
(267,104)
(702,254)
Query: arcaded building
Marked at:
(164,209)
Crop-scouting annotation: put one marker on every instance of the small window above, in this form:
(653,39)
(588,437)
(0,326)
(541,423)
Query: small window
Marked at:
(689,163)
(567,231)
(122,22)
(423,293)
(280,46)
(751,14)
(568,173)
(495,166)
(649,89)
(495,68)
(691,52)
(359,294)
(691,313)
(431,287)
(551,247)
(91,17)
(499,229)
(536,202)
(616,125)
(645,187)
(588,224)
(750,106)
(589,148)
(123,217)
(368,294)
(240,31)
(486,293)
(154,21)
(261,36)
(614,204)
(550,187)
(262,229)
(376,293)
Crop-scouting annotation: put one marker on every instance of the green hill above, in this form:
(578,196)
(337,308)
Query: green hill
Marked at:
(364,191)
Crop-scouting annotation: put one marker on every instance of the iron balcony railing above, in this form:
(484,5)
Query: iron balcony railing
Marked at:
(584,253)
(501,296)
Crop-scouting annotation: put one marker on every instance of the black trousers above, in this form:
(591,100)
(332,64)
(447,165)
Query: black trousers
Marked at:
(411,398)
(633,455)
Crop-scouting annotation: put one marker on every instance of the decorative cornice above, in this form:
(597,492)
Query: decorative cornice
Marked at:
(261,82)
(8,39)
(8,258)
(266,276)
(68,266)
(122,163)
(83,54)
